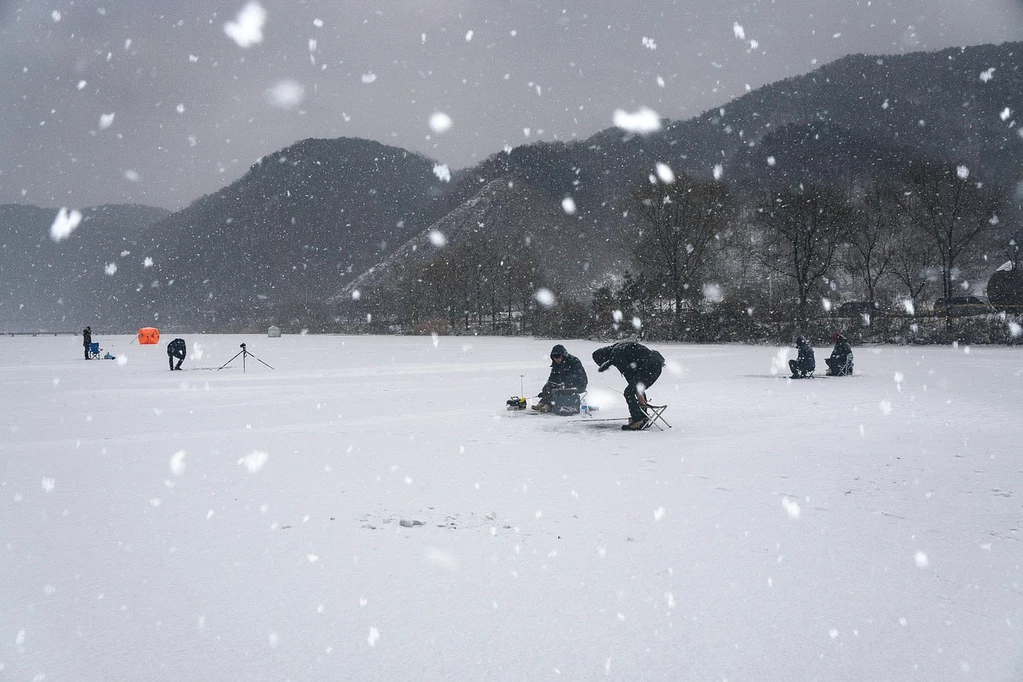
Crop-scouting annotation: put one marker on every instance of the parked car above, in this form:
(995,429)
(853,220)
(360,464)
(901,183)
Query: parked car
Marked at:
(857,308)
(960,306)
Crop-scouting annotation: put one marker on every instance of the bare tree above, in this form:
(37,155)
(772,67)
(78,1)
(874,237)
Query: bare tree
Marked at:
(680,220)
(872,238)
(803,230)
(913,261)
(951,211)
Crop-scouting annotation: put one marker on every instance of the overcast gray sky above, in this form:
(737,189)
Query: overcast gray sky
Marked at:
(150,101)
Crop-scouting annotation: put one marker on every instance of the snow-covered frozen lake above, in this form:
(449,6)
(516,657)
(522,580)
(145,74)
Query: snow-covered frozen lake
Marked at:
(369,510)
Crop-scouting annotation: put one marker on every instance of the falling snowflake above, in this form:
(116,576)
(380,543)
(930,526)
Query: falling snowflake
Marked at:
(369,77)
(921,560)
(568,205)
(440,122)
(356,294)
(739,31)
(641,122)
(712,293)
(664,173)
(790,507)
(64,224)
(442,172)
(286,94)
(106,120)
(544,297)
(962,172)
(254,461)
(374,637)
(649,43)
(247,28)
(718,171)
(177,463)
(987,75)
(438,239)
(110,269)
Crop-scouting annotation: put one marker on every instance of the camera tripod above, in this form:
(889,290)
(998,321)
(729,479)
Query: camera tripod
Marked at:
(244,353)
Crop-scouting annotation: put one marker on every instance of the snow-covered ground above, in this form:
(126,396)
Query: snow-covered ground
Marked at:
(369,510)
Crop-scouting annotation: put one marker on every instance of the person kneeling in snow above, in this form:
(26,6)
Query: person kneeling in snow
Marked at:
(840,363)
(804,365)
(176,349)
(567,380)
(640,366)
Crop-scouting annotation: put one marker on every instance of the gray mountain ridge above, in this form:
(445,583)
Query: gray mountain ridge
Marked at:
(308,225)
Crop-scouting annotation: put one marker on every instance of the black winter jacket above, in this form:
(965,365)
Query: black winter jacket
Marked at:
(806,359)
(635,361)
(842,349)
(569,372)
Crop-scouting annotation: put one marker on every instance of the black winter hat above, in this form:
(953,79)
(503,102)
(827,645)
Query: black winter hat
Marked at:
(558,350)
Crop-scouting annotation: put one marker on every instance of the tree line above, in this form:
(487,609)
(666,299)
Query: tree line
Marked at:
(707,263)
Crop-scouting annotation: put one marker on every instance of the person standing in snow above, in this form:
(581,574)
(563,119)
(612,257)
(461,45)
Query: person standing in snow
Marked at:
(87,340)
(567,375)
(176,349)
(805,363)
(640,366)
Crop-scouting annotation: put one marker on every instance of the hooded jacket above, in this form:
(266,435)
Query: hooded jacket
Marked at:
(842,348)
(569,371)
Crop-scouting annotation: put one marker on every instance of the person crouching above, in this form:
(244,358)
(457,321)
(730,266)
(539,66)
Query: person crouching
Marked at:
(176,349)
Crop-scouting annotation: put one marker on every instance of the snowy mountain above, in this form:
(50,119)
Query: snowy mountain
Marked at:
(309,225)
(299,225)
(64,285)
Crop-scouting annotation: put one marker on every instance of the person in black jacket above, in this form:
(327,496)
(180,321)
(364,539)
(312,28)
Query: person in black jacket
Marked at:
(176,349)
(640,366)
(840,363)
(805,363)
(87,340)
(567,377)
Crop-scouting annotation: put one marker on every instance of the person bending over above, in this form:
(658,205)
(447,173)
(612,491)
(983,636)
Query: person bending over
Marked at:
(640,366)
(176,349)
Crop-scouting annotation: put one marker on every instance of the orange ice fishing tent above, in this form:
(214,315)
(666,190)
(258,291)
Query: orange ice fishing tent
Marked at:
(149,335)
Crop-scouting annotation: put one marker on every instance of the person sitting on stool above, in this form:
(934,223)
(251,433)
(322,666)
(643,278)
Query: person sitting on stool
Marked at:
(567,376)
(176,349)
(804,365)
(840,363)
